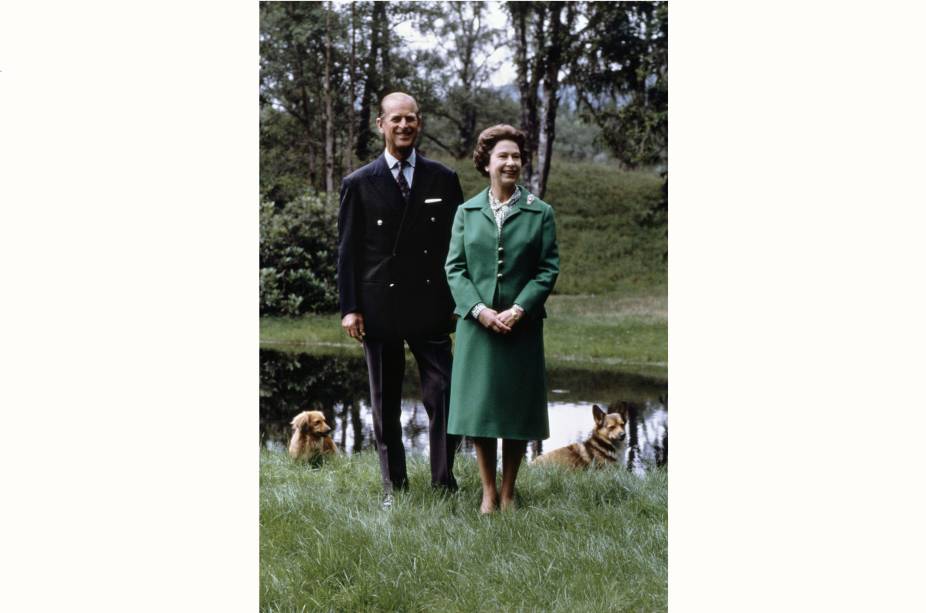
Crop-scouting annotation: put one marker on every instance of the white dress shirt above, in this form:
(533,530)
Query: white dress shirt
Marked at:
(393,163)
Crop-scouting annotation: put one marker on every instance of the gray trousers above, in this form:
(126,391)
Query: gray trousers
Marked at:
(386,366)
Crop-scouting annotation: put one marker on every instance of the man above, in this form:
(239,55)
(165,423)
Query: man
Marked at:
(394,230)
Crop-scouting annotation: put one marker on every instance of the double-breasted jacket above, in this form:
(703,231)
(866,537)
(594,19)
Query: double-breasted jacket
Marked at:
(391,254)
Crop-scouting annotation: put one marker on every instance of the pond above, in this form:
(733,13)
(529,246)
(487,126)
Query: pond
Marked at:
(337,386)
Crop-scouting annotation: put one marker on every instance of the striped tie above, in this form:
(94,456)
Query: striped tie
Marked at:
(403,184)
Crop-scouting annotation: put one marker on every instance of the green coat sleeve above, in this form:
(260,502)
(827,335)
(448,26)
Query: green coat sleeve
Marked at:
(464,291)
(534,294)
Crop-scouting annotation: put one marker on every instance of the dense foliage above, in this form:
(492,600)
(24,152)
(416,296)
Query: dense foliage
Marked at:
(623,83)
(592,86)
(592,82)
(298,256)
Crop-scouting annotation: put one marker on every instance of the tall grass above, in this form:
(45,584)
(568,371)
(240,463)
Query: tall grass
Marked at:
(581,541)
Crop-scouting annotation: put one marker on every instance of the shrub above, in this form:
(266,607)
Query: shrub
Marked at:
(298,256)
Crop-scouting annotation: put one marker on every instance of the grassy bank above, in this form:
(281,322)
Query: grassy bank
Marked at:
(608,237)
(588,541)
(609,308)
(627,332)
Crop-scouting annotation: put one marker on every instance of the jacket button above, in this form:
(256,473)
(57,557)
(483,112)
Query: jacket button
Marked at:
(379,222)
(433,219)
(500,262)
(499,275)
(427,281)
(392,285)
(500,249)
(426,252)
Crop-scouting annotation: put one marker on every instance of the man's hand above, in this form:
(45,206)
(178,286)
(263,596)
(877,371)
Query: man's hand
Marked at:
(353,325)
(490,319)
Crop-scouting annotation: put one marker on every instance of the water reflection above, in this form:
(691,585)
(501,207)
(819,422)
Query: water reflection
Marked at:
(337,386)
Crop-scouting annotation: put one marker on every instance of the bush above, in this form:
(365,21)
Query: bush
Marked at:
(298,256)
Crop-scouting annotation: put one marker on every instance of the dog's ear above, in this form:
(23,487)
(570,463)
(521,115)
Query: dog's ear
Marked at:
(598,414)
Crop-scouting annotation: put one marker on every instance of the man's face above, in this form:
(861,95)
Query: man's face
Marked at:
(399,125)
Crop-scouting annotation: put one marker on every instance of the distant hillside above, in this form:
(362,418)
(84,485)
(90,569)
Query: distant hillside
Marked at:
(608,234)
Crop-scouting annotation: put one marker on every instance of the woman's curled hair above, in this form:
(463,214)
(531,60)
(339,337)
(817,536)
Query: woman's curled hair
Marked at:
(487,140)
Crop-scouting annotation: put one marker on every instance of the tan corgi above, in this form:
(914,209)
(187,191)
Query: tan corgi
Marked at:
(599,449)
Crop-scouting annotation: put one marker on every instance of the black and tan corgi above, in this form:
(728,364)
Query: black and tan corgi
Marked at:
(604,446)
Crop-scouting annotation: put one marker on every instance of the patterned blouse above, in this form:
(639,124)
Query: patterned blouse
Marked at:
(501,211)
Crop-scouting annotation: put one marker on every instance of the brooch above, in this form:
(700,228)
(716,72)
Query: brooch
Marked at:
(530,198)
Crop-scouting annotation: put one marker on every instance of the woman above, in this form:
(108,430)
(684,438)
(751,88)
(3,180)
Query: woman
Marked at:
(502,265)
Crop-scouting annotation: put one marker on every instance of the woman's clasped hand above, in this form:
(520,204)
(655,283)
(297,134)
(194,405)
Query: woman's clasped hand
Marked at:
(499,322)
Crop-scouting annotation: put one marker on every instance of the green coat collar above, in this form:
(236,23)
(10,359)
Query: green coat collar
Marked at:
(527,201)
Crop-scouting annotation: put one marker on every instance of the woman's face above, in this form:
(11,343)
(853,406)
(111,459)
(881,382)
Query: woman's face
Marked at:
(504,164)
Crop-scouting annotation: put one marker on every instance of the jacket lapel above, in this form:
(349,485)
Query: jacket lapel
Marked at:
(484,205)
(422,179)
(524,203)
(516,210)
(385,183)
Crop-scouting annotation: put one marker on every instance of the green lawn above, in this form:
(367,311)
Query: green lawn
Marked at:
(626,331)
(582,541)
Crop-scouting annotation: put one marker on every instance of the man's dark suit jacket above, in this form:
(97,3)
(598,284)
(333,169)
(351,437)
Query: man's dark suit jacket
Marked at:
(391,256)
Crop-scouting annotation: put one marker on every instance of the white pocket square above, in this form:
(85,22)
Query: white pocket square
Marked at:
(433,200)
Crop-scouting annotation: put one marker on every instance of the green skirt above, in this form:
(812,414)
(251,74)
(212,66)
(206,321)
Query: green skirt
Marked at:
(498,387)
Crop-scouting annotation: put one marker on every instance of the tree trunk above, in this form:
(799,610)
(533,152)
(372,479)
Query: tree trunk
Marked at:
(547,131)
(371,84)
(387,77)
(349,145)
(537,65)
(329,112)
(313,170)
(519,16)
(530,67)
(468,35)
(304,103)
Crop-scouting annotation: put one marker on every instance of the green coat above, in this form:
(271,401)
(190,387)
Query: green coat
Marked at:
(499,385)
